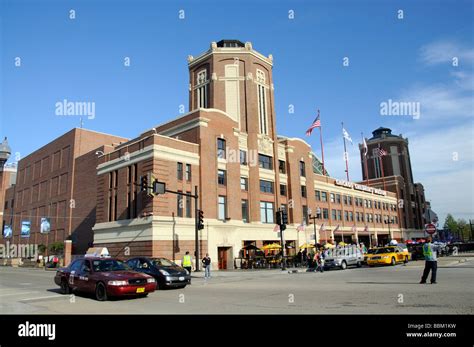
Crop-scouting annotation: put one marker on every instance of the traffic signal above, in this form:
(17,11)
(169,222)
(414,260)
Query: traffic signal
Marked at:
(201,220)
(147,184)
(278,218)
(284,217)
(144,183)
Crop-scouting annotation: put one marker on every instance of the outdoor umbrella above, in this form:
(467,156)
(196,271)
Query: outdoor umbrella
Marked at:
(328,245)
(271,246)
(307,245)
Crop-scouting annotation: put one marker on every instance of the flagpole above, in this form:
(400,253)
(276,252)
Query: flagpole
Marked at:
(365,162)
(381,167)
(345,152)
(321,140)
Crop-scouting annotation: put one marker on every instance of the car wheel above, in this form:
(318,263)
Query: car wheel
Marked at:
(406,259)
(100,292)
(65,289)
(359,264)
(393,261)
(343,265)
(143,295)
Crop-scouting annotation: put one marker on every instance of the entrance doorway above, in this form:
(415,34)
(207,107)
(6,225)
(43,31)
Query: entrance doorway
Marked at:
(223,257)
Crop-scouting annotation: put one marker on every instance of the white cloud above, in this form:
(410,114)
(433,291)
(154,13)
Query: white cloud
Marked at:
(444,51)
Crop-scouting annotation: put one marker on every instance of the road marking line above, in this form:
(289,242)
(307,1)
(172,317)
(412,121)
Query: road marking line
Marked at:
(25,284)
(45,297)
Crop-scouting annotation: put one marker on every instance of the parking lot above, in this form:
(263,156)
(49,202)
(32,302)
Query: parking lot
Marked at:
(382,290)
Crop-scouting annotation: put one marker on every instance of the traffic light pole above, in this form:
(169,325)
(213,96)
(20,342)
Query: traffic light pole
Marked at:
(196,215)
(196,227)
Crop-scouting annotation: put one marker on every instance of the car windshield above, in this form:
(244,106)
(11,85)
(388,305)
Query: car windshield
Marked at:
(162,262)
(371,251)
(109,265)
(384,250)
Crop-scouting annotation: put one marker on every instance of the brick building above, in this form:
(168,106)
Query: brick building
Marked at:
(227,147)
(393,172)
(56,188)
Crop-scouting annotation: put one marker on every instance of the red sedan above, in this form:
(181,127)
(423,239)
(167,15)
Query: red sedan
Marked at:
(105,277)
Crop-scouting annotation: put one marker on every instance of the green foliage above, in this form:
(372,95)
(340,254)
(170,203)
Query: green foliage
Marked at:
(57,247)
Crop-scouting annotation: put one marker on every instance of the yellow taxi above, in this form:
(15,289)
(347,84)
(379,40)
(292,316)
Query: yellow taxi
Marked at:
(389,255)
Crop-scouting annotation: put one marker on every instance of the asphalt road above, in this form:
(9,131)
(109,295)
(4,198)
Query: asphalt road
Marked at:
(380,290)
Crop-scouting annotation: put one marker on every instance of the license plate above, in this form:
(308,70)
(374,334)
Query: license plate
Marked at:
(181,278)
(140,290)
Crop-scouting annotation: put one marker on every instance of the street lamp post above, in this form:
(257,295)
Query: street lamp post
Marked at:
(313,218)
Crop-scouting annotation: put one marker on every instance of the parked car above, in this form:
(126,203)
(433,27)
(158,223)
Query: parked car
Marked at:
(390,255)
(104,277)
(369,252)
(166,273)
(416,251)
(344,257)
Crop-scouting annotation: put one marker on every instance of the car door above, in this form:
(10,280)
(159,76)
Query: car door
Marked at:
(85,281)
(74,274)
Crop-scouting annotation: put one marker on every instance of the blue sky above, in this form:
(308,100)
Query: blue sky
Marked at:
(407,59)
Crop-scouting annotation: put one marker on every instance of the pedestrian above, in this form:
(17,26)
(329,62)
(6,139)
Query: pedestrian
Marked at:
(305,257)
(319,261)
(55,261)
(206,262)
(299,258)
(187,263)
(431,261)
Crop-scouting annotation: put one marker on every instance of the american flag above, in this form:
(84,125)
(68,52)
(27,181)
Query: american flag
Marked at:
(300,227)
(316,124)
(354,228)
(366,228)
(379,152)
(337,228)
(276,228)
(322,227)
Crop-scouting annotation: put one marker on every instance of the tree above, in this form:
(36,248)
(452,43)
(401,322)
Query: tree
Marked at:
(450,223)
(42,248)
(464,229)
(57,247)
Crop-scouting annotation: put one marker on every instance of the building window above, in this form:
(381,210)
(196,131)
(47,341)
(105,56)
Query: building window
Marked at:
(333,198)
(281,166)
(221,149)
(369,203)
(202,84)
(243,157)
(325,213)
(266,212)
(222,208)
(188,172)
(318,195)
(221,177)
(283,189)
(179,204)
(349,200)
(344,199)
(339,215)
(324,196)
(265,162)
(244,183)
(188,205)
(245,211)
(338,198)
(333,214)
(262,102)
(180,171)
(351,216)
(266,186)
(303,191)
(302,169)
(365,203)
(346,216)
